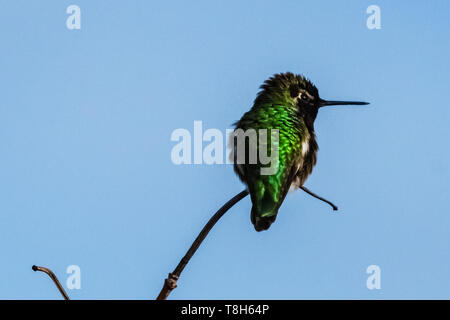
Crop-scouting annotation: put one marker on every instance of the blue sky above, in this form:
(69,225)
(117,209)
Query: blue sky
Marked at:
(87,179)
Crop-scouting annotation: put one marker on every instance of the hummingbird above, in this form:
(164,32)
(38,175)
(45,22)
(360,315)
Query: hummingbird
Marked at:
(288,103)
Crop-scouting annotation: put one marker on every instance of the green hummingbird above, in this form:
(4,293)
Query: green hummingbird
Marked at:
(287,103)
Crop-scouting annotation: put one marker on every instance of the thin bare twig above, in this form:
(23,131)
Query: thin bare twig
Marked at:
(171,282)
(54,278)
(318,197)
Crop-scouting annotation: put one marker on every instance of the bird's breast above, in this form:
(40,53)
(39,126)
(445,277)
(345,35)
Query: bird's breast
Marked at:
(305,147)
(306,161)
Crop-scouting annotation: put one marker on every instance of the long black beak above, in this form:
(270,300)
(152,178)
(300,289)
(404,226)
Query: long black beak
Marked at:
(323,103)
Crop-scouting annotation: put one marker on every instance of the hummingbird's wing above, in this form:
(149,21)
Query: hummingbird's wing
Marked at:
(268,188)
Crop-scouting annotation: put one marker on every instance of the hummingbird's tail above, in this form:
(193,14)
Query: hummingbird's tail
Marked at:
(259,222)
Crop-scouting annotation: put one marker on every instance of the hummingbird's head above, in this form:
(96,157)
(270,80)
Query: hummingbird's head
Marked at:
(298,92)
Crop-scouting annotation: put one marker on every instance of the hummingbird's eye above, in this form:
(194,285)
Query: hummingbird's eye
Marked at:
(303,96)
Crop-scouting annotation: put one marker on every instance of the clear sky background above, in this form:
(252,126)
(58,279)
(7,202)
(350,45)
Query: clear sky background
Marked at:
(86,176)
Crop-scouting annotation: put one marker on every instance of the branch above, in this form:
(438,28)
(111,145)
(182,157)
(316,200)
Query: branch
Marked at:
(54,278)
(171,282)
(319,197)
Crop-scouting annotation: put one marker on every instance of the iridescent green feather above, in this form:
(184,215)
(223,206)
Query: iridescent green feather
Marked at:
(288,103)
(274,108)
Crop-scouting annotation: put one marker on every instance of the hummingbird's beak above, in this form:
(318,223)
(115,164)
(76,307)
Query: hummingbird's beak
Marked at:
(324,103)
